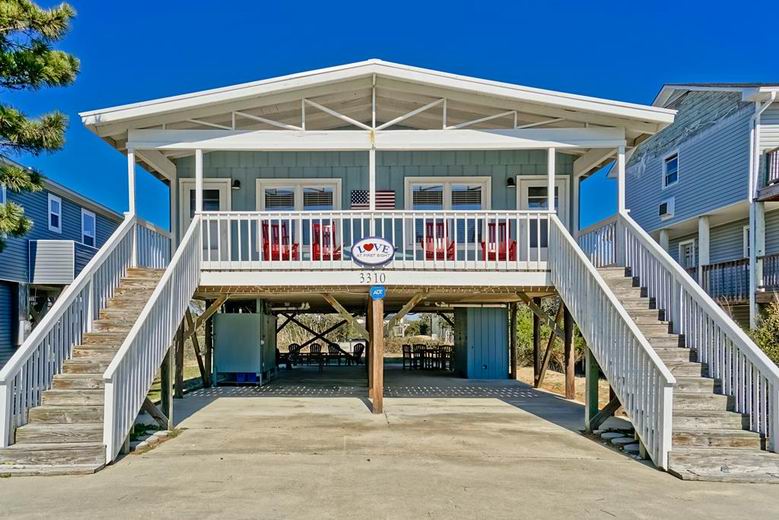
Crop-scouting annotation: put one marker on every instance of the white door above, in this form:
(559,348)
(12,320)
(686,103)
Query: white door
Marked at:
(532,195)
(216,197)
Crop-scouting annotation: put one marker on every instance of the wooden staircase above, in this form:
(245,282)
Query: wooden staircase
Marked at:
(709,441)
(64,435)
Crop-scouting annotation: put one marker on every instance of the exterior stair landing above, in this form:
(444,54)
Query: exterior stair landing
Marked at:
(710,441)
(64,435)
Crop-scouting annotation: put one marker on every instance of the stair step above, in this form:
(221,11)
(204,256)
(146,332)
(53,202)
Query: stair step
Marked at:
(66,414)
(645,314)
(50,454)
(112,326)
(42,433)
(85,366)
(719,438)
(78,382)
(686,368)
(660,341)
(94,352)
(104,338)
(709,419)
(701,401)
(696,384)
(73,397)
(656,328)
(724,465)
(40,470)
(674,354)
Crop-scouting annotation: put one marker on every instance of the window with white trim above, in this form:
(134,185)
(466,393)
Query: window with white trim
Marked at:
(745,241)
(2,194)
(670,170)
(55,213)
(299,195)
(88,228)
(687,254)
(431,193)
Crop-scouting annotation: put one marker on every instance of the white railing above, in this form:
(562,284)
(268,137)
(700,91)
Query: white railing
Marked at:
(31,369)
(640,379)
(597,241)
(131,372)
(153,245)
(744,370)
(439,240)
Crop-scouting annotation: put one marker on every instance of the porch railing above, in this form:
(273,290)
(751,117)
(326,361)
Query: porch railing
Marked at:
(32,368)
(771,167)
(727,281)
(770,272)
(642,382)
(440,240)
(744,370)
(597,242)
(131,372)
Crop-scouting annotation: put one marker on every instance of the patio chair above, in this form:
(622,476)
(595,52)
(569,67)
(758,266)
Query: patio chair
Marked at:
(498,246)
(437,242)
(334,353)
(408,357)
(323,245)
(293,355)
(314,353)
(276,243)
(356,357)
(420,356)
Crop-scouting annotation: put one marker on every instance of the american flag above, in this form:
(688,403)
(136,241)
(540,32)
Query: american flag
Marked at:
(385,199)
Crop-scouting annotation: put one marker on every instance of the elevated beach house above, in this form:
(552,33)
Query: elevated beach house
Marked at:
(707,188)
(375,188)
(68,229)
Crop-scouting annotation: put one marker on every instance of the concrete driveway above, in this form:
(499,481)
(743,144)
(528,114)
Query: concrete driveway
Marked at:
(514,453)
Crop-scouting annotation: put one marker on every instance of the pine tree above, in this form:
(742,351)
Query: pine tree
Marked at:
(28,62)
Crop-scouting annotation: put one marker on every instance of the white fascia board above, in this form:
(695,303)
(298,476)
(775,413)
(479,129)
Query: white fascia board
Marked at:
(269,140)
(379,68)
(503,139)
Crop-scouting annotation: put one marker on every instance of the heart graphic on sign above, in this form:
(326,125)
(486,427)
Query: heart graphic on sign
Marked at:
(368,247)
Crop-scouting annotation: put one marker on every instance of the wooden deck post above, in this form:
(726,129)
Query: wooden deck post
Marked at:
(166,386)
(513,340)
(179,363)
(209,326)
(569,355)
(592,373)
(377,354)
(536,342)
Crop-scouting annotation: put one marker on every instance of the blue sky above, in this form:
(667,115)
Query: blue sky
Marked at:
(132,51)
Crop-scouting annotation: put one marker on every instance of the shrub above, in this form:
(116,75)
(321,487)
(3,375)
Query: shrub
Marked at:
(766,335)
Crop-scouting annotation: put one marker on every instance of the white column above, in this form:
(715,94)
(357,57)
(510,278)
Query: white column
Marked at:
(174,230)
(575,206)
(550,171)
(664,239)
(131,181)
(621,206)
(198,181)
(756,251)
(703,245)
(372,179)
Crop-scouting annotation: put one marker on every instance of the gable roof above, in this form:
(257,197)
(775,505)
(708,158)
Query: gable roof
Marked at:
(749,91)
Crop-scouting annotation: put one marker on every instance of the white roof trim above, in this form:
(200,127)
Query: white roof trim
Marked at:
(380,68)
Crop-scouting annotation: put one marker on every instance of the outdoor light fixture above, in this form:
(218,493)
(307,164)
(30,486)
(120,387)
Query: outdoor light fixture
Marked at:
(236,184)
(511,183)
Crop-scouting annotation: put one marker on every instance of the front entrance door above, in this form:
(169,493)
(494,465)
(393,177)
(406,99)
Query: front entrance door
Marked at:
(216,197)
(532,195)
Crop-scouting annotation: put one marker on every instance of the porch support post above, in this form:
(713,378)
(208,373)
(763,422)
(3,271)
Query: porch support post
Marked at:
(131,182)
(372,178)
(377,354)
(209,326)
(621,205)
(756,252)
(166,386)
(536,342)
(703,245)
(664,239)
(550,170)
(513,340)
(198,181)
(592,372)
(569,355)
(179,362)
(575,205)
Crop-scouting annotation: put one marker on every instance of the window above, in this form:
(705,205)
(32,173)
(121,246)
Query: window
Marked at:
(666,208)
(210,201)
(2,194)
(88,228)
(55,213)
(447,193)
(745,241)
(298,195)
(687,256)
(670,170)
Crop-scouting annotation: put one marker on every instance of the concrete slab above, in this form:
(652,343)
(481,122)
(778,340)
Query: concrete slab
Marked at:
(248,454)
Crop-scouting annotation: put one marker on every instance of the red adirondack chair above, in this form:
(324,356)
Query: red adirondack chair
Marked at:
(437,242)
(323,242)
(276,244)
(498,246)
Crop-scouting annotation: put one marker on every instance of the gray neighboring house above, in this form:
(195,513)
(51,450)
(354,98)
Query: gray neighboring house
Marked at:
(707,188)
(68,229)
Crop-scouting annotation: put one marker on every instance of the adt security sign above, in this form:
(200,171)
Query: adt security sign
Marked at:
(378,292)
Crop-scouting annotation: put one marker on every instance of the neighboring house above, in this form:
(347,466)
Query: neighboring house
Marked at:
(68,229)
(704,183)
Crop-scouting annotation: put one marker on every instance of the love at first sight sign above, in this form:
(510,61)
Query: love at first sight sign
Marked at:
(373,252)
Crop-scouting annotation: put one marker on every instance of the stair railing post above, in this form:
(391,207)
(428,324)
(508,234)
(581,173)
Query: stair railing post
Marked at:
(773,419)
(620,242)
(90,303)
(5,418)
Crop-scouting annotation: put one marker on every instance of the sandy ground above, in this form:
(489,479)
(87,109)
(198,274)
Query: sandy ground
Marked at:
(555,382)
(444,448)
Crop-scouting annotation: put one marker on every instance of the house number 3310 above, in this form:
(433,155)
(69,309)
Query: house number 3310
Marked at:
(369,277)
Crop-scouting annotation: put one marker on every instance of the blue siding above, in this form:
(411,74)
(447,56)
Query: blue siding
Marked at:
(481,343)
(14,259)
(727,241)
(713,166)
(7,292)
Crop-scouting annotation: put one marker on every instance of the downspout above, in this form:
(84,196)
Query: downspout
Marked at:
(754,186)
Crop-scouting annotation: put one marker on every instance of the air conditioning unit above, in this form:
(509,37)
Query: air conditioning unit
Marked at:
(666,209)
